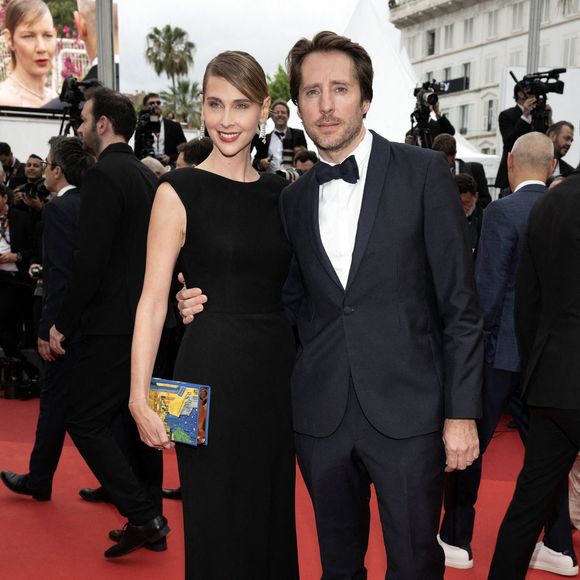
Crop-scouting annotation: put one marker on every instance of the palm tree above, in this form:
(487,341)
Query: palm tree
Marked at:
(169,51)
(183,101)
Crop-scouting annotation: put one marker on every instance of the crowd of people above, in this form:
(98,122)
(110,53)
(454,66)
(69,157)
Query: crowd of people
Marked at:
(367,305)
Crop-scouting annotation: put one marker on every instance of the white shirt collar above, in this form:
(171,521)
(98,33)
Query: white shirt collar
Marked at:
(528,182)
(65,189)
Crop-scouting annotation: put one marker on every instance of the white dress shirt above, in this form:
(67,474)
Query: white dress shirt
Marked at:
(275,149)
(339,209)
(65,189)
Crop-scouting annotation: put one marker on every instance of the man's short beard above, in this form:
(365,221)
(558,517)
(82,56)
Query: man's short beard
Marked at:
(343,144)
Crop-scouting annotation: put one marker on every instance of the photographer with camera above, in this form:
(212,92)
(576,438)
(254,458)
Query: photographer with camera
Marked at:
(156,136)
(424,128)
(32,195)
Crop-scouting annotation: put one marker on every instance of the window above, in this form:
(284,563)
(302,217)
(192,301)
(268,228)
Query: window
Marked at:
(492,23)
(546,11)
(468,31)
(490,70)
(569,52)
(447,73)
(448,37)
(515,58)
(429,76)
(571,8)
(518,16)
(466,70)
(463,118)
(490,119)
(411,47)
(431,42)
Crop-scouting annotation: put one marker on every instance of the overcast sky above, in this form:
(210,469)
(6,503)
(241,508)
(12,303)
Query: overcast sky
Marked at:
(264,28)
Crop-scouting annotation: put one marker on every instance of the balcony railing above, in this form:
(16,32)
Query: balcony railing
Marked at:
(407,12)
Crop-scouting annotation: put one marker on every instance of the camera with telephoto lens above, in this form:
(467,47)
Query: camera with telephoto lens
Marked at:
(36,271)
(290,173)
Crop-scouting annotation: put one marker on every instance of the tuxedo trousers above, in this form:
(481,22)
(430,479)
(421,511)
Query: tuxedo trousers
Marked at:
(552,446)
(129,471)
(408,478)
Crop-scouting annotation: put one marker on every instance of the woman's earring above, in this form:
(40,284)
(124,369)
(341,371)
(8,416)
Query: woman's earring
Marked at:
(202,126)
(263,132)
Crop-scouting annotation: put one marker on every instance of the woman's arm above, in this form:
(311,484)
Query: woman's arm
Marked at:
(166,237)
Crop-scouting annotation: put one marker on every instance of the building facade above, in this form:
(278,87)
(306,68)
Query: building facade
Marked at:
(478,41)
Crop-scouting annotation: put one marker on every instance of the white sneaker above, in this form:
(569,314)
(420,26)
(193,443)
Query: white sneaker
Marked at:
(455,557)
(545,559)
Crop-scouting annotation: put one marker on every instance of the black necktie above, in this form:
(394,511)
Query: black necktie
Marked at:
(347,170)
(280,134)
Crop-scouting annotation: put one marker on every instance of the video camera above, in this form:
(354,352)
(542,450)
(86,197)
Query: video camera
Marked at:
(427,96)
(72,94)
(148,124)
(539,85)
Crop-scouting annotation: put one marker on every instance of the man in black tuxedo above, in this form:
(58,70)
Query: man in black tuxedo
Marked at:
(562,135)
(547,315)
(513,123)
(165,139)
(65,167)
(277,152)
(386,384)
(13,169)
(100,303)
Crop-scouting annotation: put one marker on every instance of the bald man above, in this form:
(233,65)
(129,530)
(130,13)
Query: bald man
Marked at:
(529,164)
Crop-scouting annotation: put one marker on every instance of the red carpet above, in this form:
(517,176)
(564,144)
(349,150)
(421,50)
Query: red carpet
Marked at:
(64,539)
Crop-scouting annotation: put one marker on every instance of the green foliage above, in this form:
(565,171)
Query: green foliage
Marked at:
(184,102)
(278,86)
(62,13)
(169,51)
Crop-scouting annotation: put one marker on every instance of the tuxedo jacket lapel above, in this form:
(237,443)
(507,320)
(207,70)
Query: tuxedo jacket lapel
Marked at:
(375,181)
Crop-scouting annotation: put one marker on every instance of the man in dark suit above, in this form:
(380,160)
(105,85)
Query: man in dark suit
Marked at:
(447,144)
(562,135)
(100,303)
(500,247)
(277,152)
(387,380)
(165,138)
(547,315)
(513,123)
(65,167)
(13,169)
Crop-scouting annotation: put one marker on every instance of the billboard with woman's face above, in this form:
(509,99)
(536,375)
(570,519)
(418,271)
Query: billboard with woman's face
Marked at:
(42,43)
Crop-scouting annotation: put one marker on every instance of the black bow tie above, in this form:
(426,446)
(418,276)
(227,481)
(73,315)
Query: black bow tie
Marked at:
(347,171)
(280,134)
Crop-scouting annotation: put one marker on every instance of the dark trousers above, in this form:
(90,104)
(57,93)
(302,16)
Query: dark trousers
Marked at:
(408,479)
(552,447)
(461,487)
(50,427)
(15,299)
(130,472)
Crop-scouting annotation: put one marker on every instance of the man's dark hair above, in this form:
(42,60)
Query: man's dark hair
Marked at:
(557,127)
(5,149)
(445,143)
(68,153)
(327,41)
(117,108)
(466,183)
(34,156)
(196,151)
(518,88)
(305,155)
(280,102)
(149,96)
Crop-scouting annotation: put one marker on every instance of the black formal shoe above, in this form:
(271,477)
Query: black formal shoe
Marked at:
(134,536)
(158,546)
(19,484)
(94,495)
(168,493)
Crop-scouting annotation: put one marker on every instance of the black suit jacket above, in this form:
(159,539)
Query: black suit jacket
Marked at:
(110,264)
(60,219)
(565,168)
(548,299)
(22,240)
(512,127)
(407,328)
(292,139)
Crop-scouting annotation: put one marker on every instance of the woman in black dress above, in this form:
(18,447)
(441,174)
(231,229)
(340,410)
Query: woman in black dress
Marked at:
(222,220)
